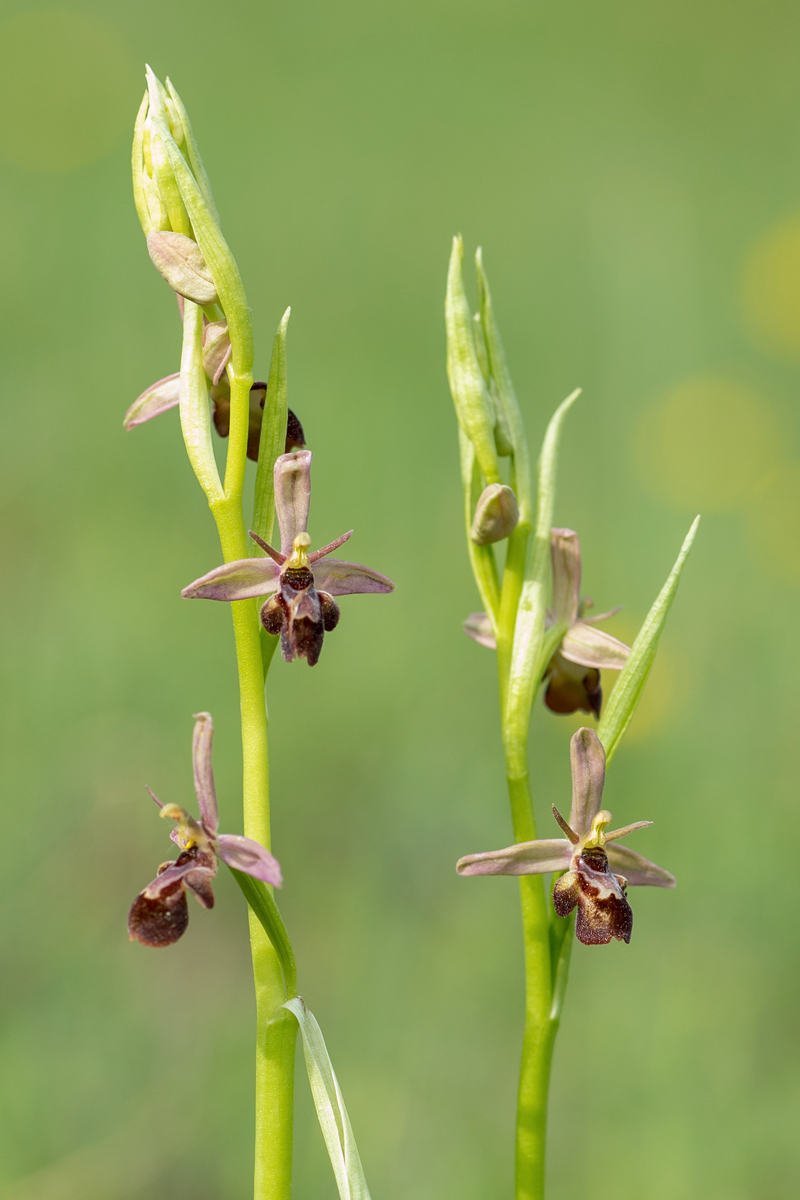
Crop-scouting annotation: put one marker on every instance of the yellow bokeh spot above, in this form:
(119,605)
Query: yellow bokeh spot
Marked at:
(708,445)
(770,290)
(774,526)
(68,89)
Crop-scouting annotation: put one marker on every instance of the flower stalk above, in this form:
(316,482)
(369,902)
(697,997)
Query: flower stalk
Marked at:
(535,621)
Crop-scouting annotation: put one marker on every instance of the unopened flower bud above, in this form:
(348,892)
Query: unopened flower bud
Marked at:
(216,349)
(179,260)
(496,515)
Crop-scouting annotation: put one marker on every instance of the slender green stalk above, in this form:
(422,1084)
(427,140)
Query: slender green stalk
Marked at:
(276,1030)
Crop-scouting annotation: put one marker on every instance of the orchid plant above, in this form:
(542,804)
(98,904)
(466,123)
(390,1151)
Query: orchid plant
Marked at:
(285,597)
(533,618)
(535,621)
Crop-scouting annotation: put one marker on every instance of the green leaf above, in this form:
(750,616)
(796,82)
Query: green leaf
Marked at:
(482,559)
(528,659)
(622,702)
(137,166)
(331,1112)
(193,152)
(195,415)
(509,415)
(273,436)
(474,407)
(261,901)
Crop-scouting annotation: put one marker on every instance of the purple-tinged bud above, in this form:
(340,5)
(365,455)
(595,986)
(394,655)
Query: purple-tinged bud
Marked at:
(216,349)
(179,260)
(496,515)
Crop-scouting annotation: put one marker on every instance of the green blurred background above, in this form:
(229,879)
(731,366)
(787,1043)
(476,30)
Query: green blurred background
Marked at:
(633,174)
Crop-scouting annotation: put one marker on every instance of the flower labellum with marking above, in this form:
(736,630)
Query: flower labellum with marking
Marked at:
(301,586)
(598,871)
(160,914)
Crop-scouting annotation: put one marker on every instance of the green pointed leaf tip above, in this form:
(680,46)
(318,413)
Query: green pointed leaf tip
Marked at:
(260,900)
(474,406)
(331,1112)
(510,430)
(194,408)
(626,695)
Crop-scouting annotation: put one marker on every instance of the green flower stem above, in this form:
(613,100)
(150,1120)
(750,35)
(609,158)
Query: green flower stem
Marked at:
(276,1029)
(537,1042)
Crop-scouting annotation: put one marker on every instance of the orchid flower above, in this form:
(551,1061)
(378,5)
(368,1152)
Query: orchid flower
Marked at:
(301,586)
(159,915)
(574,670)
(165,394)
(588,854)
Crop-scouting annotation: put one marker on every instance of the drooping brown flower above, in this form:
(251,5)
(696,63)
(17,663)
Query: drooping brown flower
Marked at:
(159,914)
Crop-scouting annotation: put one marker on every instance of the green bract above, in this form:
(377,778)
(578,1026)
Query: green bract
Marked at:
(331,1112)
(626,695)
(474,406)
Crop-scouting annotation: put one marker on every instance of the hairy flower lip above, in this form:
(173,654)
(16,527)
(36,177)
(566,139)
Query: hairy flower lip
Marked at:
(300,586)
(585,836)
(159,915)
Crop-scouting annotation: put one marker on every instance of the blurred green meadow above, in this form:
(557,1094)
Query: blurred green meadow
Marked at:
(633,174)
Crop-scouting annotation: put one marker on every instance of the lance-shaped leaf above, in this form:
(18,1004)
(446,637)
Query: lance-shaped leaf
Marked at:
(162,395)
(179,260)
(272,440)
(195,416)
(496,515)
(265,910)
(528,661)
(526,858)
(473,403)
(331,1112)
(510,420)
(138,168)
(623,700)
(482,559)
